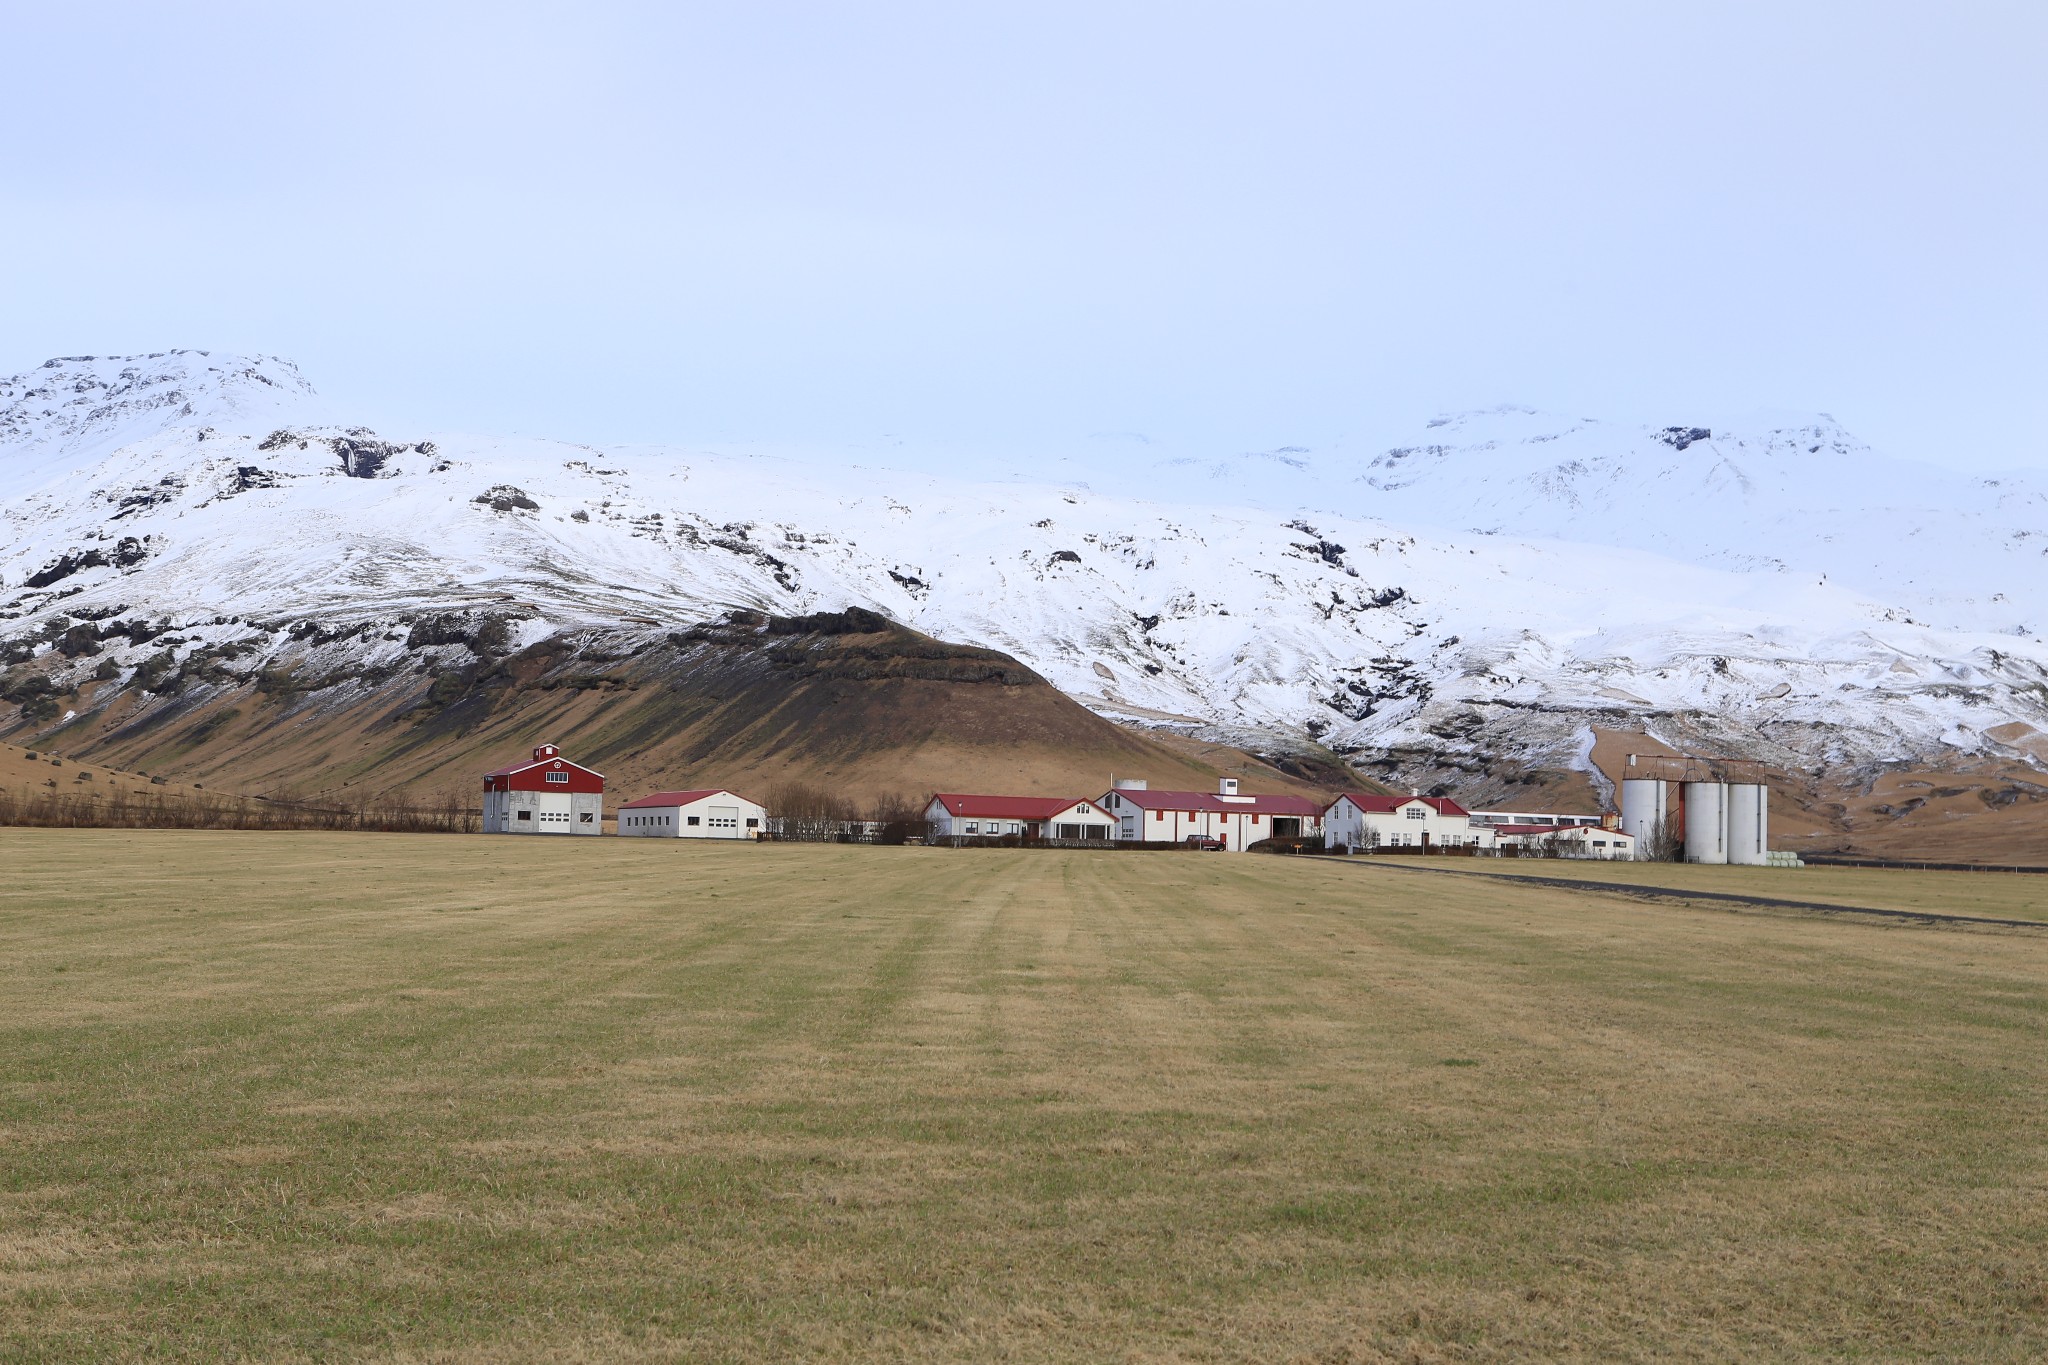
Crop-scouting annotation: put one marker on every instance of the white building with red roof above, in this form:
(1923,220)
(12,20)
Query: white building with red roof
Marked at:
(546,795)
(1566,841)
(1232,818)
(957,815)
(1363,821)
(707,813)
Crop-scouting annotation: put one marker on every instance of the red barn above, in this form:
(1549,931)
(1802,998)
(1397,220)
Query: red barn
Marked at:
(549,795)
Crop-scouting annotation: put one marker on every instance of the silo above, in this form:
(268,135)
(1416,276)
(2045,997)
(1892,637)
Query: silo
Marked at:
(1749,820)
(1706,822)
(1645,811)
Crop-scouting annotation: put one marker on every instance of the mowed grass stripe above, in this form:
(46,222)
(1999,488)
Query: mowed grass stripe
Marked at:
(413,1098)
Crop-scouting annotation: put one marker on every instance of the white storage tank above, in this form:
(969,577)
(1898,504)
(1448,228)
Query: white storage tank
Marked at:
(1749,820)
(1706,822)
(1645,809)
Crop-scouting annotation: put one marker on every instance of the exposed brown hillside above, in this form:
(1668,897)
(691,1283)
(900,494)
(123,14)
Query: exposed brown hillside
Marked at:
(845,700)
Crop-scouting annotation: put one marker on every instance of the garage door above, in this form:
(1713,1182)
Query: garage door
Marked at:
(724,822)
(553,813)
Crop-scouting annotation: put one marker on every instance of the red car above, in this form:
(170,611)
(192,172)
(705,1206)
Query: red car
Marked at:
(1207,843)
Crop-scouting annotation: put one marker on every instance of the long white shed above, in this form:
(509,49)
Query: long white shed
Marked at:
(713,814)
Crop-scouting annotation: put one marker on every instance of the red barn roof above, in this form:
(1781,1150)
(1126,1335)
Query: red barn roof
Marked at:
(1374,804)
(1265,805)
(1008,807)
(679,798)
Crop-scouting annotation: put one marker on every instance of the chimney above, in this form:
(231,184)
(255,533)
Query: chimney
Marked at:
(1130,784)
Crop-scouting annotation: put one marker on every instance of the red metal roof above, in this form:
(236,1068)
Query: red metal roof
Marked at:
(1210,801)
(1374,804)
(680,798)
(1010,807)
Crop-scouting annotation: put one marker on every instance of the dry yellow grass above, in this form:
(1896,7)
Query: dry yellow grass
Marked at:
(298,1096)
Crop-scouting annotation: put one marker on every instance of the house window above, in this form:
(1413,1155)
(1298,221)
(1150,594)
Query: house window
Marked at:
(973,827)
(1599,843)
(692,820)
(558,777)
(1416,813)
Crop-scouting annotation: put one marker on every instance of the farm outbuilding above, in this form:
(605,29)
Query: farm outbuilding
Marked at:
(703,814)
(958,815)
(1567,841)
(1232,818)
(547,795)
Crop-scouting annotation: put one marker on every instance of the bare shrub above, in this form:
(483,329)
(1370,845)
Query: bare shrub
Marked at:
(448,812)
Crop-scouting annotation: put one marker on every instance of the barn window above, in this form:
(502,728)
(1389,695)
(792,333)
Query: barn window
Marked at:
(558,777)
(584,817)
(693,819)
(526,815)
(752,823)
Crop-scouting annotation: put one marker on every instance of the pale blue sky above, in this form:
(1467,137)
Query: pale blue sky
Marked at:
(1227,227)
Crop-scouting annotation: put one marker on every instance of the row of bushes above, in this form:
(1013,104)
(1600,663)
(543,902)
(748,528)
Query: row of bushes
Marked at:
(448,813)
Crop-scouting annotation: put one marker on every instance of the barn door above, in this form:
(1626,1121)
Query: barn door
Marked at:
(725,822)
(553,813)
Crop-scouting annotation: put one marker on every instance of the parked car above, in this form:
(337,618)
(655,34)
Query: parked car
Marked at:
(1208,843)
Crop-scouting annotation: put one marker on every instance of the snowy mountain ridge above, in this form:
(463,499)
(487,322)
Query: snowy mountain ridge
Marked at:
(1775,591)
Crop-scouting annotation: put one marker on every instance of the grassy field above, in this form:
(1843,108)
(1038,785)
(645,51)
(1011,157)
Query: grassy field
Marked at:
(1994,895)
(418,1098)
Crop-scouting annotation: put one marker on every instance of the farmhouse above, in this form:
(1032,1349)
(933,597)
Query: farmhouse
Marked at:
(549,795)
(1566,841)
(1233,819)
(955,815)
(710,814)
(1362,821)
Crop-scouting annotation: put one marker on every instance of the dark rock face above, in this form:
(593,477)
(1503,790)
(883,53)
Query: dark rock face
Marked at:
(487,633)
(363,456)
(505,498)
(246,477)
(852,621)
(1678,438)
(126,554)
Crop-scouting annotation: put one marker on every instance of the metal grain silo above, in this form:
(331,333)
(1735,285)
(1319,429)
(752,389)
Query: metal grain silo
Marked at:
(1706,822)
(1749,821)
(1645,812)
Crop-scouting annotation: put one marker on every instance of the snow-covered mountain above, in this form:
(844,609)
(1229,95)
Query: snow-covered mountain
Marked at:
(1495,588)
